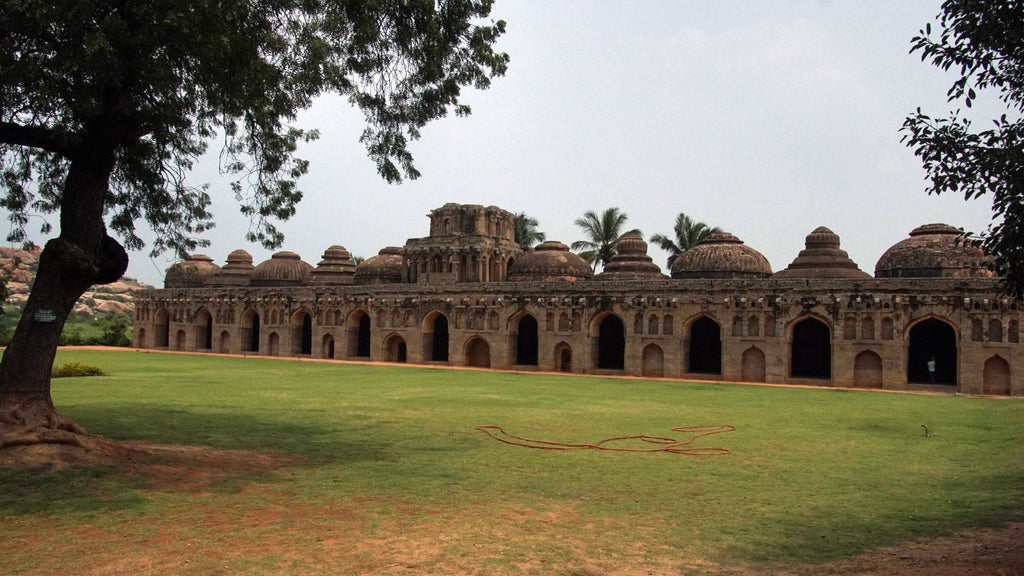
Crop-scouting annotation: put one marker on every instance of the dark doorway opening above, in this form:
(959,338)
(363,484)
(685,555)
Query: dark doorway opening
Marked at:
(705,347)
(611,346)
(932,338)
(811,353)
(526,341)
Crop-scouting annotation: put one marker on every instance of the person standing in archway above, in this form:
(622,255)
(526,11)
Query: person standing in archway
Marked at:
(931,369)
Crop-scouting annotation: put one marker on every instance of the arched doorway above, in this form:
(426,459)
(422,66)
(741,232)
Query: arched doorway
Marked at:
(394,349)
(526,341)
(932,338)
(867,370)
(273,344)
(435,337)
(249,334)
(811,350)
(611,343)
(358,334)
(225,342)
(478,353)
(653,361)
(203,330)
(754,367)
(563,357)
(705,347)
(996,377)
(327,346)
(161,329)
(302,333)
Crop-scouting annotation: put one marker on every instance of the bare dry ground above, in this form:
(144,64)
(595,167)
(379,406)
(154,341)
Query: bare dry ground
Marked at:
(190,470)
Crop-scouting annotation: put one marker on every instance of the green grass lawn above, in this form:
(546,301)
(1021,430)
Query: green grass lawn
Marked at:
(392,475)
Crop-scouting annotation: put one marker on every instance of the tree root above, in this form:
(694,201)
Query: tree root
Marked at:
(32,427)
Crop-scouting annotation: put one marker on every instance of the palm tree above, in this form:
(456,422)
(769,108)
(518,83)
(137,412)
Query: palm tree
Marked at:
(526,231)
(603,233)
(688,234)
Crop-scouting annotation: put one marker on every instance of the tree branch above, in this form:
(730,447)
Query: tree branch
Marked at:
(49,139)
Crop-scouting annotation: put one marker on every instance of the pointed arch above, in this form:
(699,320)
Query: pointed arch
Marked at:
(203,323)
(867,370)
(161,329)
(932,337)
(810,349)
(563,357)
(327,348)
(996,377)
(705,346)
(225,342)
(302,332)
(754,367)
(653,361)
(395,349)
(608,341)
(358,332)
(478,353)
(523,338)
(435,336)
(249,332)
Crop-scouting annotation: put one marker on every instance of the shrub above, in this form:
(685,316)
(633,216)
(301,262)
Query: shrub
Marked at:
(75,369)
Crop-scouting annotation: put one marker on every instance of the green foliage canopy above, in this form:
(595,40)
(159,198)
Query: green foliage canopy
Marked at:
(141,87)
(687,233)
(603,233)
(526,233)
(983,43)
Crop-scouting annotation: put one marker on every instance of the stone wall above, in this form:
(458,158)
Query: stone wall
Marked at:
(863,332)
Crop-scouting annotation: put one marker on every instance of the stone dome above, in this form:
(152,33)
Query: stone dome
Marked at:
(191,272)
(283,269)
(631,262)
(933,251)
(336,267)
(236,272)
(721,255)
(387,267)
(548,262)
(822,258)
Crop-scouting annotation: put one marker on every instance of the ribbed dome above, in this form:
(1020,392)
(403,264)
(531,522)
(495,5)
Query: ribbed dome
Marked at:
(283,269)
(236,272)
(386,267)
(631,262)
(822,258)
(190,273)
(548,262)
(721,255)
(932,251)
(336,268)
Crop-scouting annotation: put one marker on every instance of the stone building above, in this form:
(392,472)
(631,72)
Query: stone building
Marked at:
(467,295)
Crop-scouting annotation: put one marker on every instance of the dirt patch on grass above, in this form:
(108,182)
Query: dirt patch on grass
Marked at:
(973,552)
(166,467)
(269,532)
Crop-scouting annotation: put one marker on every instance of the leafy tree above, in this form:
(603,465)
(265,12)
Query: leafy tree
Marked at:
(526,230)
(688,234)
(603,233)
(983,42)
(105,106)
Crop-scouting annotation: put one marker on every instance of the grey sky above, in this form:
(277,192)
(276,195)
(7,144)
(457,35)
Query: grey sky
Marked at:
(765,118)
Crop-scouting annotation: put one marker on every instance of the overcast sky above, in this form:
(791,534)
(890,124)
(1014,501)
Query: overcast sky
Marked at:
(767,119)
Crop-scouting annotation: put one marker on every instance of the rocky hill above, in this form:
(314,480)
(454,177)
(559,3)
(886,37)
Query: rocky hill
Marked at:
(19,267)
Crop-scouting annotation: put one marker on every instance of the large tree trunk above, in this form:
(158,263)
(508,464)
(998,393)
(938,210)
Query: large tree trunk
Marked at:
(81,256)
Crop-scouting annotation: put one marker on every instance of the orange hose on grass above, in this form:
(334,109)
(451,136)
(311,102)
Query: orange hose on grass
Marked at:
(671,445)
